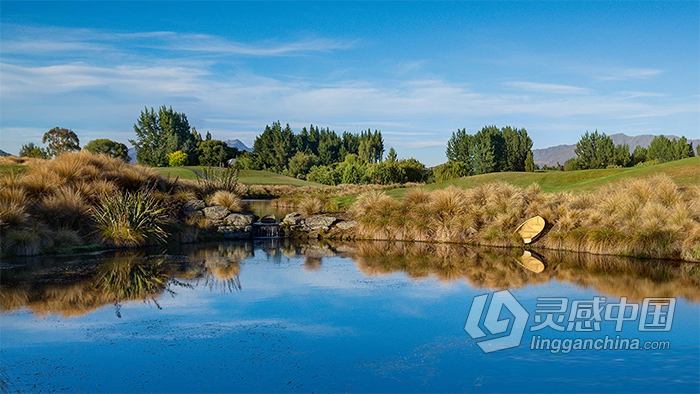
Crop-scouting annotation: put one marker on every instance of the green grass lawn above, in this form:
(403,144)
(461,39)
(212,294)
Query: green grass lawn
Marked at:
(16,168)
(683,172)
(248,177)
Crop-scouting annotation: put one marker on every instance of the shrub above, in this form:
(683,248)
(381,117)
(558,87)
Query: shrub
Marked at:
(177,159)
(129,219)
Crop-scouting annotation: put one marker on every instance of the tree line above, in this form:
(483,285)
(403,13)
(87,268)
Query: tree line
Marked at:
(489,150)
(597,150)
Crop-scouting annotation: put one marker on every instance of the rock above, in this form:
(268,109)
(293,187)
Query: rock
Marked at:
(315,223)
(240,219)
(293,219)
(215,212)
(268,219)
(346,225)
(194,205)
(291,216)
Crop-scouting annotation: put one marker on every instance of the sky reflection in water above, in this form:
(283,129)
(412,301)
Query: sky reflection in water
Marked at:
(278,316)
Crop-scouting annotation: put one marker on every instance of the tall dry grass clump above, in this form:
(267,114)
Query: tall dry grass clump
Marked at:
(57,198)
(648,217)
(226,199)
(311,205)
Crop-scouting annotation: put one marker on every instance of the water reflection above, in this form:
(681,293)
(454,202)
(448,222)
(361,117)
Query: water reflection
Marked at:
(4,381)
(498,268)
(78,286)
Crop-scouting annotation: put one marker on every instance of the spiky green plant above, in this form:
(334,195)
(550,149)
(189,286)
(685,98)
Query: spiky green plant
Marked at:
(130,219)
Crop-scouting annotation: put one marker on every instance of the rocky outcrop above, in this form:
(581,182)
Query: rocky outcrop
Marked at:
(316,226)
(215,213)
(239,219)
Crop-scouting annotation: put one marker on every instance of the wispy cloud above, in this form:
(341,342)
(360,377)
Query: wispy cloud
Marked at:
(621,73)
(31,40)
(547,87)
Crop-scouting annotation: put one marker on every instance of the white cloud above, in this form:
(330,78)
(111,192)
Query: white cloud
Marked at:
(547,87)
(32,40)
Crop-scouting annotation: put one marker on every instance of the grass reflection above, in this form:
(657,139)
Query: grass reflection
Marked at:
(498,268)
(76,288)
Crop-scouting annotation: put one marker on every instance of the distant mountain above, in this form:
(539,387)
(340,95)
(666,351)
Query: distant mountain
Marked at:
(561,153)
(132,155)
(236,143)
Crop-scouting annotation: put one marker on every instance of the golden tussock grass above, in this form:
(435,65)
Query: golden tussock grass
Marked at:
(648,217)
(310,205)
(227,200)
(62,194)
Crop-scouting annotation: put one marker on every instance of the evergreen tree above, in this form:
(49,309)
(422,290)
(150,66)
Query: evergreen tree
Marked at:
(530,163)
(159,134)
(391,156)
(594,150)
(31,150)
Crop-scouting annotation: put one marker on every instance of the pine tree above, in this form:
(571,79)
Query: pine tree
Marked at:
(530,163)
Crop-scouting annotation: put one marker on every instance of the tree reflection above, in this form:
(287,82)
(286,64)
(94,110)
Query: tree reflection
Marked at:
(77,287)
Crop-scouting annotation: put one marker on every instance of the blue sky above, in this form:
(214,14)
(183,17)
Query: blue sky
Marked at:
(416,71)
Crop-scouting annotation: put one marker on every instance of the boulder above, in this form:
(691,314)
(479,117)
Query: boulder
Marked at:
(268,219)
(346,225)
(240,219)
(216,212)
(315,223)
(293,219)
(194,205)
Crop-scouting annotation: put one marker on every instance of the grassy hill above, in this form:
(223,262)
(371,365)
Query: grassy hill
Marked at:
(683,172)
(248,177)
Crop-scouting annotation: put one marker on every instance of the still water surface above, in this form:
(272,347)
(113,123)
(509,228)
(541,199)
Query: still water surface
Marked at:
(276,316)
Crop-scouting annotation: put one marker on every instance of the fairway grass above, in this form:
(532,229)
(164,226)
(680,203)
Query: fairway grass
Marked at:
(683,172)
(16,168)
(248,177)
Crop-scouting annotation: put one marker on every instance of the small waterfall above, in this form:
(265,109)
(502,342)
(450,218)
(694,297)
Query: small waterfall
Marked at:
(266,230)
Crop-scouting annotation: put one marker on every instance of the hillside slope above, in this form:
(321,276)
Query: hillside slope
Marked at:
(683,172)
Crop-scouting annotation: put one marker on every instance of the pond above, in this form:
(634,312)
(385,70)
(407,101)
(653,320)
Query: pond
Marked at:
(262,207)
(279,316)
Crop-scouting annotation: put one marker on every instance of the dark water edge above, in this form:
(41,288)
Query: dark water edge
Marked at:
(279,315)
